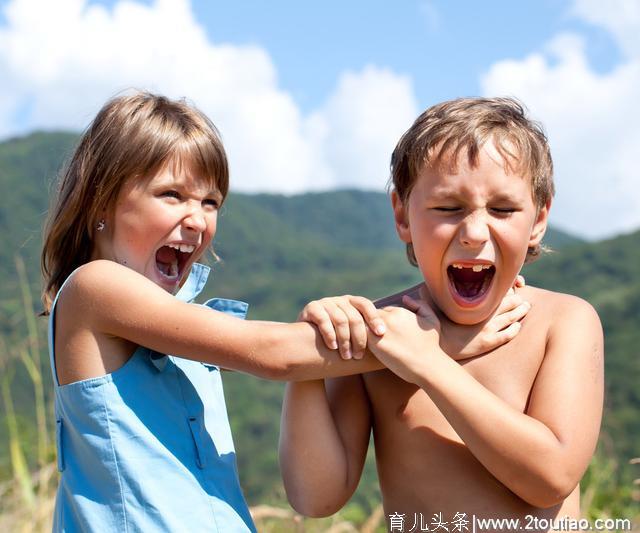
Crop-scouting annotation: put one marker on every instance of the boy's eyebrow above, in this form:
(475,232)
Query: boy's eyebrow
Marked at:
(504,197)
(446,193)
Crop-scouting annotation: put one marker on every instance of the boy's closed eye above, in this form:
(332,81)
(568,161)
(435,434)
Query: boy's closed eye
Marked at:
(447,209)
(503,210)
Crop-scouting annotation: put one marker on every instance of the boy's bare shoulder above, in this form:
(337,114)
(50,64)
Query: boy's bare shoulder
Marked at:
(559,308)
(395,300)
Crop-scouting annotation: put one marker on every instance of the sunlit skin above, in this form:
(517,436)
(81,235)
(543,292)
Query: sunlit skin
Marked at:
(475,215)
(123,298)
(173,206)
(507,433)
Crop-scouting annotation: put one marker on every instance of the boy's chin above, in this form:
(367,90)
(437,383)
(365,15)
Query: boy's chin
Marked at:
(469,316)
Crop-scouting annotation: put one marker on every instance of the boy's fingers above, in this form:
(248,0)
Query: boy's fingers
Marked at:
(370,313)
(357,329)
(519,281)
(342,329)
(316,314)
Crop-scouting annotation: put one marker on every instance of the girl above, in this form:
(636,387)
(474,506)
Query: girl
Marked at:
(143,438)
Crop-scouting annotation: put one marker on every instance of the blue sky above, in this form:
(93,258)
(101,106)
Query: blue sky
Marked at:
(445,46)
(314,96)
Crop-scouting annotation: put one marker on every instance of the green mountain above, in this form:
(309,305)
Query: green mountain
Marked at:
(277,253)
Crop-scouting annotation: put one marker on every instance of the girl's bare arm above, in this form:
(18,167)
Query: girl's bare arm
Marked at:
(113,300)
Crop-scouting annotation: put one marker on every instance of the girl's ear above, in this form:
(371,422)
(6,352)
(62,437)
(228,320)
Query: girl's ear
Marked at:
(401,217)
(540,225)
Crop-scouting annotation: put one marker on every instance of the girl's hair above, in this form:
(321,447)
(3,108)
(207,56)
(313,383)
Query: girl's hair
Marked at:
(132,137)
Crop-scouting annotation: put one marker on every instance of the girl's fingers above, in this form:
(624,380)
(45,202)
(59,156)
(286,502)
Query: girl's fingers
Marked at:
(509,302)
(369,312)
(507,334)
(419,307)
(519,281)
(502,321)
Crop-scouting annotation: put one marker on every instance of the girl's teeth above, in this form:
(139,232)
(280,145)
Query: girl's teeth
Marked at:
(173,270)
(477,268)
(185,248)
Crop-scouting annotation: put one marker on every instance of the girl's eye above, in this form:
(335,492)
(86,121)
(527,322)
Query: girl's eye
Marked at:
(171,194)
(211,202)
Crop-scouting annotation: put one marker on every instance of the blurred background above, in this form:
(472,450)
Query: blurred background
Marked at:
(310,99)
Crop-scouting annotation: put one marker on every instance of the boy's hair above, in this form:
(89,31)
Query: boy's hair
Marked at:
(132,137)
(444,131)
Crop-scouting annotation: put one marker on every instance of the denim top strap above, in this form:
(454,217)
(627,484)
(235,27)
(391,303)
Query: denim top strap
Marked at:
(148,447)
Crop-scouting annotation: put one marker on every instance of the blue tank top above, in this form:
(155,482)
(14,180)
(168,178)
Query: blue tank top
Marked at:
(148,447)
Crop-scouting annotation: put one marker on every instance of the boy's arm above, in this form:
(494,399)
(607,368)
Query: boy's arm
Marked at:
(541,454)
(324,436)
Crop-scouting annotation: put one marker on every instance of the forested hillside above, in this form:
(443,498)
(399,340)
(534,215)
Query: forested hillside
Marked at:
(279,252)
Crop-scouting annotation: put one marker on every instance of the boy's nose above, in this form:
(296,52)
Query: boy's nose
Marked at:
(474,231)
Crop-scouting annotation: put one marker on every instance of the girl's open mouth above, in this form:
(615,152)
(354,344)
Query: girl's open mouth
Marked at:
(171,260)
(470,283)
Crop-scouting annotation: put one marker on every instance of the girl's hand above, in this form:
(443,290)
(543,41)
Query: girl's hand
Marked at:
(343,322)
(462,342)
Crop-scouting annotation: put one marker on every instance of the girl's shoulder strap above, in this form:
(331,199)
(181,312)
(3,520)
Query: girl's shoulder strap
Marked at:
(52,328)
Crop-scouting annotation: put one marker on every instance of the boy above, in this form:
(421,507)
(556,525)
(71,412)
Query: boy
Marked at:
(507,434)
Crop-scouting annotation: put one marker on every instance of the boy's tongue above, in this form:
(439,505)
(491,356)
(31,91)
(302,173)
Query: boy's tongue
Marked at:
(470,284)
(167,261)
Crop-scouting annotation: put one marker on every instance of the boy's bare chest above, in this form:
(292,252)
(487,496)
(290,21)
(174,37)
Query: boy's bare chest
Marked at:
(509,372)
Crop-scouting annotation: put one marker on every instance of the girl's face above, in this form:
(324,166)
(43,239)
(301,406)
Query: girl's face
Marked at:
(161,225)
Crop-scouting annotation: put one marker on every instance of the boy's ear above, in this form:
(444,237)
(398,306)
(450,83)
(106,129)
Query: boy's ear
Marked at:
(401,217)
(540,225)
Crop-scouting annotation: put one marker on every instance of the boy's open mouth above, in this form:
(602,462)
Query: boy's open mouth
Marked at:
(172,258)
(470,282)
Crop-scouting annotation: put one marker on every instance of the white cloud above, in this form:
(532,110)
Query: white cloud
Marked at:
(59,61)
(591,118)
(360,124)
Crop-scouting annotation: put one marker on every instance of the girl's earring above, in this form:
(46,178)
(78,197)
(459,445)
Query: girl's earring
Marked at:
(100,225)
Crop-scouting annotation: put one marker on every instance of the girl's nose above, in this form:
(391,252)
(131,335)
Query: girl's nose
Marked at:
(195,220)
(474,231)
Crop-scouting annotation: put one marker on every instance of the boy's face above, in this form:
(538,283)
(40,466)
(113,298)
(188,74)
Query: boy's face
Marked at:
(470,232)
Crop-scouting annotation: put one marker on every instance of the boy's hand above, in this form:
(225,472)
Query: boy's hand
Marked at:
(408,341)
(343,322)
(462,342)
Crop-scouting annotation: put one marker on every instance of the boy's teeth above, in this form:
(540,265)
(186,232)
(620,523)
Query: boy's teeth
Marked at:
(173,270)
(475,268)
